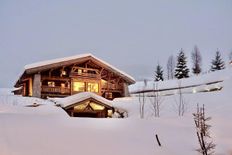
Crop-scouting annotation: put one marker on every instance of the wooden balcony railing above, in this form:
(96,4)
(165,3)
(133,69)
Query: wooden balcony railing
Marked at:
(85,75)
(58,90)
(112,87)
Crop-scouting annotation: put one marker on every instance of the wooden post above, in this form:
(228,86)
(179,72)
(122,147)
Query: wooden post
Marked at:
(125,90)
(157,138)
(37,86)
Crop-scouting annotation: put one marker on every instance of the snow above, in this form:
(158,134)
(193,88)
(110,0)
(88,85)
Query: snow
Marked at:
(5,91)
(47,129)
(201,82)
(80,97)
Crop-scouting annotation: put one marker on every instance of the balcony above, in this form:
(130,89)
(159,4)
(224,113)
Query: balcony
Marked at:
(112,87)
(55,90)
(85,75)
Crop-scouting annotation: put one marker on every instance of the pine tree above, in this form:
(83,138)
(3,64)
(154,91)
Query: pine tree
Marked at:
(196,59)
(159,73)
(181,70)
(217,63)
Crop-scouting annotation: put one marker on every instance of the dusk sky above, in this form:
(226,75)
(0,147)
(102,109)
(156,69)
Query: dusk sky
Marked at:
(132,35)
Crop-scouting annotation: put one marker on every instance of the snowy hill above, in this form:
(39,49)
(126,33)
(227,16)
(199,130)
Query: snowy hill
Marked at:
(193,84)
(47,129)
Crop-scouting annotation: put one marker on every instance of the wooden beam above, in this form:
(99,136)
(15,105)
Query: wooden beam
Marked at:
(61,71)
(50,72)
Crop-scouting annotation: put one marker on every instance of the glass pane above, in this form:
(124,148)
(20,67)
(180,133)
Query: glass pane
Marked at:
(78,86)
(79,71)
(51,84)
(81,106)
(92,87)
(110,113)
(96,106)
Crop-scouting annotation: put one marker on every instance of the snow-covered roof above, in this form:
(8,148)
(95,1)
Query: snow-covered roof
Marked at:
(38,66)
(70,100)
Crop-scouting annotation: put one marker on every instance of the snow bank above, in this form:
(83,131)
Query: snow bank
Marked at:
(47,129)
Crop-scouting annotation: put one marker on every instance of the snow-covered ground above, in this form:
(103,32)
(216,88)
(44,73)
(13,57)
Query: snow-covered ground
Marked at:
(47,129)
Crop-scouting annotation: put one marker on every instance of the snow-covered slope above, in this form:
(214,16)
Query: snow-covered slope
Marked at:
(47,129)
(200,82)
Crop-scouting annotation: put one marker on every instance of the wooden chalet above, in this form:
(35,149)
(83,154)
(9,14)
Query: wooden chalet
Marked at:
(71,75)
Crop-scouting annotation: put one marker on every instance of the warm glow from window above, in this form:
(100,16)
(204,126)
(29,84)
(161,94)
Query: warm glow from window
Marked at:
(104,82)
(78,86)
(79,71)
(109,113)
(109,95)
(62,85)
(96,106)
(81,106)
(63,72)
(51,83)
(92,87)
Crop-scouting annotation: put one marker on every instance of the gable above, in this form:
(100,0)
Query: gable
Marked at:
(89,104)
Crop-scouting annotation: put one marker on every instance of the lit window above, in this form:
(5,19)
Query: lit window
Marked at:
(96,106)
(81,106)
(62,85)
(109,95)
(78,86)
(63,72)
(92,87)
(79,71)
(109,113)
(51,83)
(103,82)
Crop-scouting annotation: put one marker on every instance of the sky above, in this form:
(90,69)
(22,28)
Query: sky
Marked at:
(132,35)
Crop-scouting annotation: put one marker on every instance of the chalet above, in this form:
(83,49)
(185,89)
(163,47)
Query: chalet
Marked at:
(71,75)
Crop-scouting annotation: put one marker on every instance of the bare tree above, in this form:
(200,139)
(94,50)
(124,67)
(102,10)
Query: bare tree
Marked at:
(170,67)
(206,147)
(181,104)
(142,100)
(197,60)
(181,101)
(156,100)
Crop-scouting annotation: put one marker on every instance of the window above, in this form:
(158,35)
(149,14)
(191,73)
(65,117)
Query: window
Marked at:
(96,106)
(110,113)
(62,85)
(84,105)
(109,95)
(79,72)
(63,72)
(92,87)
(81,106)
(104,83)
(78,86)
(51,83)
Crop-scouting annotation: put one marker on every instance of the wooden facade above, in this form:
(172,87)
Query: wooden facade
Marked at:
(71,76)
